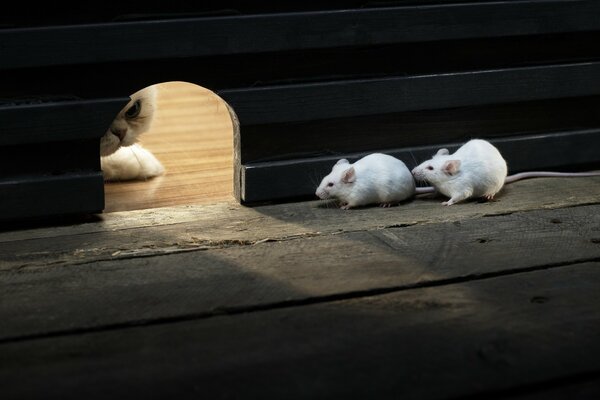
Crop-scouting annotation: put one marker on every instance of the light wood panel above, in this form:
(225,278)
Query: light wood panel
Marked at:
(192,136)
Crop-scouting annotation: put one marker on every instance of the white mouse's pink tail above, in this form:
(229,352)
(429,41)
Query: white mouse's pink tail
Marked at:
(546,174)
(424,190)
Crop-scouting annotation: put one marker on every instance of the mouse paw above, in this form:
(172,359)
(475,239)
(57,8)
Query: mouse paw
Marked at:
(344,206)
(447,203)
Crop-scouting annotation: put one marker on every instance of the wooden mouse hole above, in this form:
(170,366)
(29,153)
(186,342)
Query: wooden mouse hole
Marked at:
(192,136)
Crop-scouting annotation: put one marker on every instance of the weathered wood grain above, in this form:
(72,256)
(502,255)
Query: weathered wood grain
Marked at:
(429,343)
(133,291)
(126,235)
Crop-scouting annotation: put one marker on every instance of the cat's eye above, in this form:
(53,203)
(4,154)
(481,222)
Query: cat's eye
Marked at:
(134,110)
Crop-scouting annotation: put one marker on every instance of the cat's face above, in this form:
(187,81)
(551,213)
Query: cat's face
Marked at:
(133,120)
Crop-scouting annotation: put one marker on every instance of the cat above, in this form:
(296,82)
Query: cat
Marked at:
(122,158)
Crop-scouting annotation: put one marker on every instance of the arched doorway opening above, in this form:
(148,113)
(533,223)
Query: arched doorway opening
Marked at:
(192,137)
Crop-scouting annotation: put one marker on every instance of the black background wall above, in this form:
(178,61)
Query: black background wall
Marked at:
(311,82)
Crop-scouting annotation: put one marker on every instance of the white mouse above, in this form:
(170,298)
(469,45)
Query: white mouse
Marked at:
(375,178)
(476,169)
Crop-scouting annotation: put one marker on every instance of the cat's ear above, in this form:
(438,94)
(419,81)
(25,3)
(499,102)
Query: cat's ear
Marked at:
(152,93)
(149,92)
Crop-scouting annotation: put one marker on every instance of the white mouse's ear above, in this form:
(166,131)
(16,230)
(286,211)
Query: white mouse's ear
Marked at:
(442,152)
(342,161)
(451,167)
(349,175)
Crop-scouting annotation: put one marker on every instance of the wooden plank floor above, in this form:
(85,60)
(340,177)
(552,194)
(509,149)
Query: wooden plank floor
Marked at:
(478,300)
(192,136)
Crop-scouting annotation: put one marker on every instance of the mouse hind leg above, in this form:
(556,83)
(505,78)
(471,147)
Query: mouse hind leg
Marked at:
(494,189)
(490,195)
(458,197)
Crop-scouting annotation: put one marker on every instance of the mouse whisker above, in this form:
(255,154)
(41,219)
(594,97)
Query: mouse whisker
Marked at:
(413,157)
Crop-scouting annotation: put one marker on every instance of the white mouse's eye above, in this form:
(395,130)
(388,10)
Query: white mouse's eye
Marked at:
(330,184)
(429,167)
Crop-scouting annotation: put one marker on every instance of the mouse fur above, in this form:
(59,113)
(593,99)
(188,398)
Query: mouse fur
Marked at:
(476,169)
(374,179)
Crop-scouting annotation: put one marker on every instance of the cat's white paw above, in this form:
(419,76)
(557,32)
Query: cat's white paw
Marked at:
(131,163)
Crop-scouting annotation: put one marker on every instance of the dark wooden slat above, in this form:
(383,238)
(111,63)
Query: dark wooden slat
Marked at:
(298,178)
(503,333)
(57,121)
(331,137)
(48,300)
(379,96)
(42,196)
(46,14)
(276,32)
(96,80)
(585,386)
(51,158)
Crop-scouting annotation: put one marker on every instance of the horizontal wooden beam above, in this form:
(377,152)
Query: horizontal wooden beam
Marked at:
(194,37)
(48,196)
(280,142)
(323,100)
(299,178)
(218,73)
(24,123)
